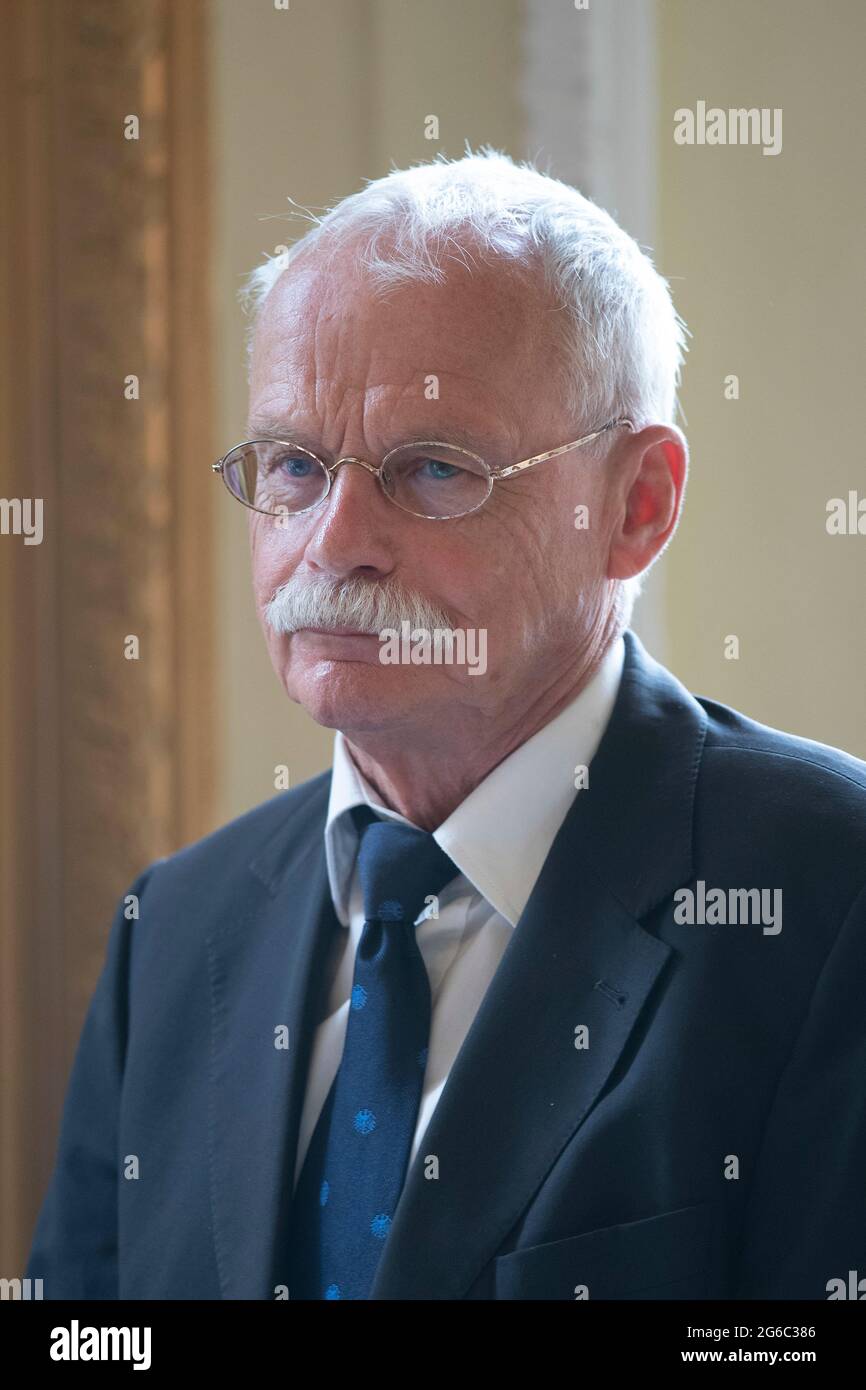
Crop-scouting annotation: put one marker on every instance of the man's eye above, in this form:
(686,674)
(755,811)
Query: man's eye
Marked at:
(292,466)
(438,468)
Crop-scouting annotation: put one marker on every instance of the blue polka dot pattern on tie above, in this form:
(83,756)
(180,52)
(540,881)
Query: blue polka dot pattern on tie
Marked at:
(359,1150)
(390,911)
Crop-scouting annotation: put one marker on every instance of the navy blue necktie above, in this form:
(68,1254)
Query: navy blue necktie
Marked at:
(356,1163)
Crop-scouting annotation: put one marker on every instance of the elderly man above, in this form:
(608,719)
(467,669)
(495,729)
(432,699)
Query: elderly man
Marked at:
(552,987)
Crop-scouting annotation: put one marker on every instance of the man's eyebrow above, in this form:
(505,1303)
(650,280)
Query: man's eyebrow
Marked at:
(447,433)
(282,429)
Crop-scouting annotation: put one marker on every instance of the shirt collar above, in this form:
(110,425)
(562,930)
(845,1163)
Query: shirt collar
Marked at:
(501,834)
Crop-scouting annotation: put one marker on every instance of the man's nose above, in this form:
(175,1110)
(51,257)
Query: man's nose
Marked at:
(355,524)
(355,487)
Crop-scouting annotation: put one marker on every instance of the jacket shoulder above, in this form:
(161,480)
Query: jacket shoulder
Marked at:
(240,841)
(791,799)
(751,748)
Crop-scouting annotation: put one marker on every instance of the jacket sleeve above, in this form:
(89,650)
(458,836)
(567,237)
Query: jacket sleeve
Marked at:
(805,1220)
(74,1248)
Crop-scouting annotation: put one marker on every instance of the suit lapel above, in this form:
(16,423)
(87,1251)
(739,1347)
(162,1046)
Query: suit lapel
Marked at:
(519,1089)
(268,958)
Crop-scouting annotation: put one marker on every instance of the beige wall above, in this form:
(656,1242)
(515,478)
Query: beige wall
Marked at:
(768,255)
(765,259)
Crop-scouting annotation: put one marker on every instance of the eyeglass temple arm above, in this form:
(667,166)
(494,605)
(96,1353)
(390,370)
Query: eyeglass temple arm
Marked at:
(563,449)
(503,473)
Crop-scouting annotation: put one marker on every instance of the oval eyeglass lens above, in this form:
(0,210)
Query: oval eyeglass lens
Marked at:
(272,477)
(436,480)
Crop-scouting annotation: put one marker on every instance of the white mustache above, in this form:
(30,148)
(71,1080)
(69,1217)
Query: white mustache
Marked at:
(354,603)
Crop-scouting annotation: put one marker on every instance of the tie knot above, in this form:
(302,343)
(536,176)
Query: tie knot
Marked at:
(400,867)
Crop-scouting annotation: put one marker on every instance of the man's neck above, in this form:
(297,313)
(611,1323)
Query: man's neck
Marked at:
(425,780)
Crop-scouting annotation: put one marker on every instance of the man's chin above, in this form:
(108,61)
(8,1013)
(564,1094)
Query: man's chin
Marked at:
(356,695)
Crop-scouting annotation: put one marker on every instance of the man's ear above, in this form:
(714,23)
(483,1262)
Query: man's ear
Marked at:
(652,468)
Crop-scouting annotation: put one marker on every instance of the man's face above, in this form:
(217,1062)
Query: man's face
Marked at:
(346,373)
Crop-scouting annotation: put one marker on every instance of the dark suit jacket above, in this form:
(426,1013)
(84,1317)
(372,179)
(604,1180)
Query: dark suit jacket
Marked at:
(710,1141)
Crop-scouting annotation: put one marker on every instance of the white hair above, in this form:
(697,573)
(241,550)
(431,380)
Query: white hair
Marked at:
(620,340)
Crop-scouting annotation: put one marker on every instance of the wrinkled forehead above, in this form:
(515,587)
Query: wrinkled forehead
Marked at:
(490,323)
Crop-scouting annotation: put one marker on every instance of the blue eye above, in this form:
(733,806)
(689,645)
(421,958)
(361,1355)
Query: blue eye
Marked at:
(441,470)
(293,466)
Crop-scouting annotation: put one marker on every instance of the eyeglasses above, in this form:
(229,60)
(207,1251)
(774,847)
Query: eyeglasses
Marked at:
(427,478)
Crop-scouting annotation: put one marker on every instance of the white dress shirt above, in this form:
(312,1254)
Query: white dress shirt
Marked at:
(499,838)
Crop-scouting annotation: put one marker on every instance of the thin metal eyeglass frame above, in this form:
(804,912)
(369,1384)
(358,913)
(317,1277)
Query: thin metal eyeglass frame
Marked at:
(494,476)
